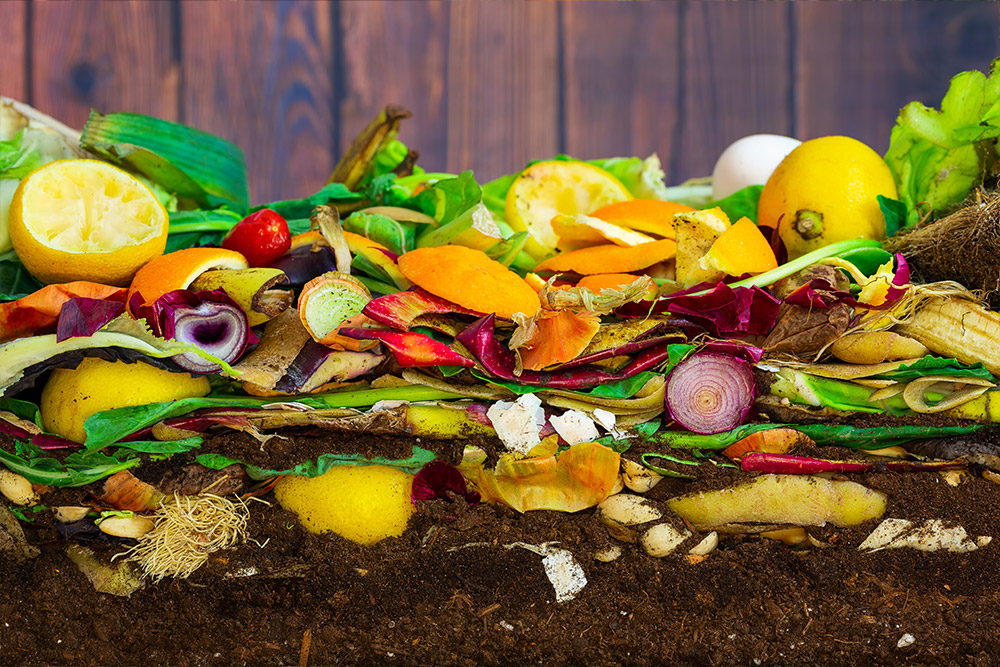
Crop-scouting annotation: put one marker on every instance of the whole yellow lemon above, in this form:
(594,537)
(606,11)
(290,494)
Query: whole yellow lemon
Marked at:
(826,191)
(72,395)
(364,504)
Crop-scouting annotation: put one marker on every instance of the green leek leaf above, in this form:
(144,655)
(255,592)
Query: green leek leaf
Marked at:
(190,163)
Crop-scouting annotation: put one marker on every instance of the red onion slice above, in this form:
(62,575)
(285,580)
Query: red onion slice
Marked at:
(710,392)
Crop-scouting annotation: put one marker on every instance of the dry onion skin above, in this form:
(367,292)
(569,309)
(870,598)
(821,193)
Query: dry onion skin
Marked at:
(187,529)
(710,392)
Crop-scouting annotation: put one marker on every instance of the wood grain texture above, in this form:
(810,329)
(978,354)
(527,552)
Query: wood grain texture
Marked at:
(394,53)
(622,79)
(14,50)
(111,56)
(260,74)
(502,85)
(857,64)
(737,79)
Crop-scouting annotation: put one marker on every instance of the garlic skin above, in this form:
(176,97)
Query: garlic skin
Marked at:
(749,161)
(17,489)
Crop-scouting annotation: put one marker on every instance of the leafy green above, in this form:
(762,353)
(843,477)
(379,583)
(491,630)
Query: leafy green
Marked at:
(894,213)
(824,434)
(302,208)
(18,158)
(109,426)
(938,157)
(190,163)
(77,469)
(740,204)
(15,281)
(22,409)
(643,178)
(323,463)
(495,194)
(447,199)
(189,229)
(399,237)
(932,365)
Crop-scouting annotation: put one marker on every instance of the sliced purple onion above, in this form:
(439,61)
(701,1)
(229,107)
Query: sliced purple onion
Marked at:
(210,319)
(440,480)
(710,392)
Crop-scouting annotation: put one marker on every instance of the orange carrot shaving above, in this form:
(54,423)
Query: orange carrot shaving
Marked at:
(610,258)
(773,441)
(38,312)
(741,249)
(557,337)
(469,278)
(650,216)
(537,283)
(602,281)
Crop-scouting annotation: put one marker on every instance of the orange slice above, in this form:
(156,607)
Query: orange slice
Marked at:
(177,270)
(740,249)
(651,216)
(470,279)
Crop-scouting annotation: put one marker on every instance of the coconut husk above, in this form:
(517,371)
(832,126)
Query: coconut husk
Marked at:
(963,247)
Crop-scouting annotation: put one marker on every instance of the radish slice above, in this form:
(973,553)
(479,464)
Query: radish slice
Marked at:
(710,392)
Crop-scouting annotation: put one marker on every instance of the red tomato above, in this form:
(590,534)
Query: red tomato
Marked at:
(261,237)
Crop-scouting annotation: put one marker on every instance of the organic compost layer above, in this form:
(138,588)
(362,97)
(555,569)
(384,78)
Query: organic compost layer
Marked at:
(456,589)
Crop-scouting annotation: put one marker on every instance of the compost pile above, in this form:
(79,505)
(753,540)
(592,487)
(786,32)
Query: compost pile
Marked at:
(568,416)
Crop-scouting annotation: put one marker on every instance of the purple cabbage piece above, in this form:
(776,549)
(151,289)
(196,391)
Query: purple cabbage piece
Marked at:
(480,339)
(83,316)
(440,480)
(40,440)
(726,312)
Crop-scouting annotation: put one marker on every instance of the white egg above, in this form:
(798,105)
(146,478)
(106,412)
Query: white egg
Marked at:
(749,161)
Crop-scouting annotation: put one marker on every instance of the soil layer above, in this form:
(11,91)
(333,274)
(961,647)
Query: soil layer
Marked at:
(456,589)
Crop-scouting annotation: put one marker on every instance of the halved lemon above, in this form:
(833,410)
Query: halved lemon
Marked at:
(546,189)
(85,220)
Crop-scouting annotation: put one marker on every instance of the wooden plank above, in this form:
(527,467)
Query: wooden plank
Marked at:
(737,79)
(394,53)
(260,75)
(886,54)
(14,50)
(502,85)
(622,79)
(111,56)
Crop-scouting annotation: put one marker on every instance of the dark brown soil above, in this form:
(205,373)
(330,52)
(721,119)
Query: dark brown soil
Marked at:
(452,592)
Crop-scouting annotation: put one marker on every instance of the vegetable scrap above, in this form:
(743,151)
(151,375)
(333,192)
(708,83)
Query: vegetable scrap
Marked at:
(565,338)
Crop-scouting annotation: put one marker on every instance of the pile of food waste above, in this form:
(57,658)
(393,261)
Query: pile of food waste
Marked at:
(574,368)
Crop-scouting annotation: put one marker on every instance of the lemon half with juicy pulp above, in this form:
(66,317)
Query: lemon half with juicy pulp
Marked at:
(553,187)
(85,220)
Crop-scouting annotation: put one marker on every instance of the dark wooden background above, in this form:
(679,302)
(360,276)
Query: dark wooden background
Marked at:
(492,83)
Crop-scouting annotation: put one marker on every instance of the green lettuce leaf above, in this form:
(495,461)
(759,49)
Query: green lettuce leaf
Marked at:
(740,204)
(77,469)
(18,158)
(323,463)
(932,365)
(938,157)
(15,281)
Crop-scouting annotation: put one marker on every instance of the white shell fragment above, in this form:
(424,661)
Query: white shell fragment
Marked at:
(906,640)
(565,574)
(662,540)
(575,426)
(608,420)
(929,535)
(518,424)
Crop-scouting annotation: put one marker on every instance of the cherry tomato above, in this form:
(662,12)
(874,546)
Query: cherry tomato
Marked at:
(261,237)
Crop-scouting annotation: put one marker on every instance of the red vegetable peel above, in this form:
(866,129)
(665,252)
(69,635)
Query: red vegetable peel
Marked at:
(710,392)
